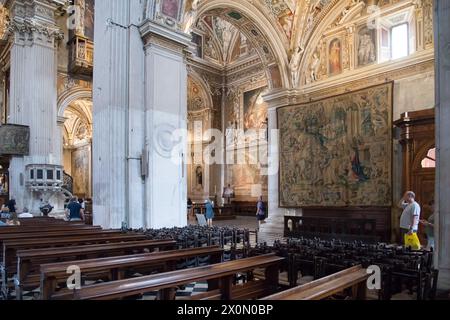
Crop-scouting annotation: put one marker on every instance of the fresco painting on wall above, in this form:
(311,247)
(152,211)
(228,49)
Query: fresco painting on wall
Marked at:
(170,8)
(80,171)
(336,151)
(255,109)
(275,76)
(89,19)
(367,49)
(335,57)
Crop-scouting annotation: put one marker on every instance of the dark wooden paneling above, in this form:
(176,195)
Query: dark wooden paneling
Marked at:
(382,216)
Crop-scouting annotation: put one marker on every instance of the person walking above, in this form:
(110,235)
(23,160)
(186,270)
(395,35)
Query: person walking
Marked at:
(410,218)
(260,212)
(209,214)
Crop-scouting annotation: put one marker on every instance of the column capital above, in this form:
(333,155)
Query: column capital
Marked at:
(34,22)
(155,34)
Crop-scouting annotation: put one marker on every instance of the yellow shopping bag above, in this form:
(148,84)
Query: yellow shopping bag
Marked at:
(412,240)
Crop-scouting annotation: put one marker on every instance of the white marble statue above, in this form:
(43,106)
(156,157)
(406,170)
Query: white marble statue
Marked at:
(294,66)
(314,67)
(190,15)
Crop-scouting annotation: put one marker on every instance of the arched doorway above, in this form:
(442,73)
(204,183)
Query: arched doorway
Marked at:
(77,147)
(237,62)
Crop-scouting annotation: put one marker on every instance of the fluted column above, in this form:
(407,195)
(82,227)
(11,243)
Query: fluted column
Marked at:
(33,92)
(442,52)
(117,111)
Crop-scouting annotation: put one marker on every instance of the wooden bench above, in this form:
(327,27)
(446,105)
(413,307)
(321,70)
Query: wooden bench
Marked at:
(115,267)
(31,229)
(354,278)
(26,258)
(56,234)
(166,283)
(10,248)
(36,221)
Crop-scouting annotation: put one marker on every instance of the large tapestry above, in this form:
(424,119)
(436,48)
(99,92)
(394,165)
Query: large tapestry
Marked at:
(338,151)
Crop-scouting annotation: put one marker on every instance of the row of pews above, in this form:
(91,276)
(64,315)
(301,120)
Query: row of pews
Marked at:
(42,253)
(401,268)
(39,253)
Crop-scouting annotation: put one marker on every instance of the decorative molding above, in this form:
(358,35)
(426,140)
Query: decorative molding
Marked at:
(281,98)
(159,35)
(33,22)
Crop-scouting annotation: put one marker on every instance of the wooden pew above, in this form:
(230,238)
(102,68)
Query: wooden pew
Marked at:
(38,221)
(166,283)
(354,278)
(26,229)
(56,234)
(10,247)
(115,267)
(26,258)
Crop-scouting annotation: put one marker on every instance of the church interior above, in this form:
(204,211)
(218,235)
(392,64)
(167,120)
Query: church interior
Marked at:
(272,149)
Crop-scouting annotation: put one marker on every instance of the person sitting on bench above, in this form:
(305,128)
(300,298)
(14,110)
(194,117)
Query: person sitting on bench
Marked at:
(75,211)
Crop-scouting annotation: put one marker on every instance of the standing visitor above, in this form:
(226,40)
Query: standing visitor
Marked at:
(410,218)
(209,212)
(260,212)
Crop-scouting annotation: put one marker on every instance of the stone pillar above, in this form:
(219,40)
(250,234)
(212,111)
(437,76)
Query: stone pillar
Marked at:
(140,100)
(33,93)
(442,53)
(166,113)
(273,229)
(118,114)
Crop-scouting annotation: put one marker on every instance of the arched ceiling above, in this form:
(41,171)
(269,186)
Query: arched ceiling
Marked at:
(272,29)
(223,43)
(78,124)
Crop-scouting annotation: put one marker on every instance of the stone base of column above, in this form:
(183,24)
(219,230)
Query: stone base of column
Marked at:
(272,230)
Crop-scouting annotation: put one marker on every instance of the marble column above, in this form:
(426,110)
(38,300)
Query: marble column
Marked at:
(33,93)
(118,116)
(442,53)
(140,100)
(166,114)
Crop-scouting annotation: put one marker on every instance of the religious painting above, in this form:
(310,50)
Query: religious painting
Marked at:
(335,57)
(275,77)
(170,8)
(366,46)
(384,38)
(338,151)
(81,171)
(208,20)
(199,176)
(14,140)
(89,19)
(198,40)
(286,21)
(255,109)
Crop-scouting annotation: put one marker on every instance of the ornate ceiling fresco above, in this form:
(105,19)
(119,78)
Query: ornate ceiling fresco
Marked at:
(3,20)
(286,34)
